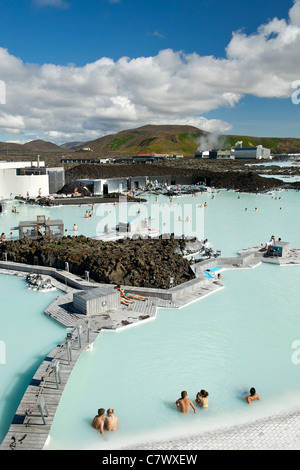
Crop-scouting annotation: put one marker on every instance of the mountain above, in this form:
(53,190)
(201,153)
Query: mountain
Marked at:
(41,145)
(186,140)
(150,139)
(35,146)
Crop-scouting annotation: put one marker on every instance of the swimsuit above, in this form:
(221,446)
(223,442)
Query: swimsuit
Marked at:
(128,293)
(205,402)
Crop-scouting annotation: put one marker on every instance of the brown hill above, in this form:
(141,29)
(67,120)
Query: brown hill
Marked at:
(34,146)
(40,145)
(150,139)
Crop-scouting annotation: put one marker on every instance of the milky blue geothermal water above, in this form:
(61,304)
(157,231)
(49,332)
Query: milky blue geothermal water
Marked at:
(26,337)
(240,337)
(225,343)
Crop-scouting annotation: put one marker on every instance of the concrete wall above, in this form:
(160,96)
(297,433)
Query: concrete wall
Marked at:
(115,185)
(137,182)
(56,179)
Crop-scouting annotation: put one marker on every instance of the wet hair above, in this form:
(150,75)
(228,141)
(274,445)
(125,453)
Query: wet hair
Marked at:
(252,391)
(183,394)
(110,411)
(101,411)
(204,393)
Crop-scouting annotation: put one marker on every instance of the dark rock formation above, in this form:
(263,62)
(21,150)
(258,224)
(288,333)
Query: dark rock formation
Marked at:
(216,174)
(141,262)
(71,187)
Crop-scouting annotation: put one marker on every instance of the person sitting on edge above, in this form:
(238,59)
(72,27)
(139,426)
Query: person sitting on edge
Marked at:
(98,422)
(202,398)
(270,243)
(111,421)
(253,396)
(185,403)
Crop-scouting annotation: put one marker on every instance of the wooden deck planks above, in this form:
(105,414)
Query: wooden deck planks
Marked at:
(27,431)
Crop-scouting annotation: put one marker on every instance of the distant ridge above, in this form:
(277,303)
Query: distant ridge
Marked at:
(160,139)
(73,145)
(33,146)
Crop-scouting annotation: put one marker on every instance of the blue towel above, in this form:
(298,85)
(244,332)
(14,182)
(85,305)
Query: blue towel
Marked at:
(209,276)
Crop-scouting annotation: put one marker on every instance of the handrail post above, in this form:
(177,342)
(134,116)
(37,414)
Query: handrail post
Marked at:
(56,371)
(42,408)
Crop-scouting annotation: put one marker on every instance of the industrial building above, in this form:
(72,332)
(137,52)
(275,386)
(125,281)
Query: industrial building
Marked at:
(215,154)
(257,153)
(70,159)
(238,152)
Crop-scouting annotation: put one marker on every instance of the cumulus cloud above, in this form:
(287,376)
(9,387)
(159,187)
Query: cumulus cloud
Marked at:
(81,103)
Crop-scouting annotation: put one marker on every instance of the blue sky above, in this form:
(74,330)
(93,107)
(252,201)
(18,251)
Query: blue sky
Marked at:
(77,70)
(77,31)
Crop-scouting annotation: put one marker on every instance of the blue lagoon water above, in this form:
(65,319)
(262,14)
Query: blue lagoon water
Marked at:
(225,343)
(26,336)
(240,337)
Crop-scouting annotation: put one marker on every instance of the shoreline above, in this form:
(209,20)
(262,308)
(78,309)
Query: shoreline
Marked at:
(273,432)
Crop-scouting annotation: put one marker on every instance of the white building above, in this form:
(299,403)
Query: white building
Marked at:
(115,185)
(257,153)
(20,178)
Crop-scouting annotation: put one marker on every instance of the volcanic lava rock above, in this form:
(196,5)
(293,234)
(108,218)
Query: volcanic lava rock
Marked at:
(143,262)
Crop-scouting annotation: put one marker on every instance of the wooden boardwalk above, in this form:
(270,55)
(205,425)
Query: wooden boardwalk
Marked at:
(29,431)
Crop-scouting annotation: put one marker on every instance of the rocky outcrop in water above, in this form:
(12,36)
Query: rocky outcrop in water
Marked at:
(142,262)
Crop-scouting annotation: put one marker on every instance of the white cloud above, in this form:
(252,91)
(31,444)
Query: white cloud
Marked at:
(81,103)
